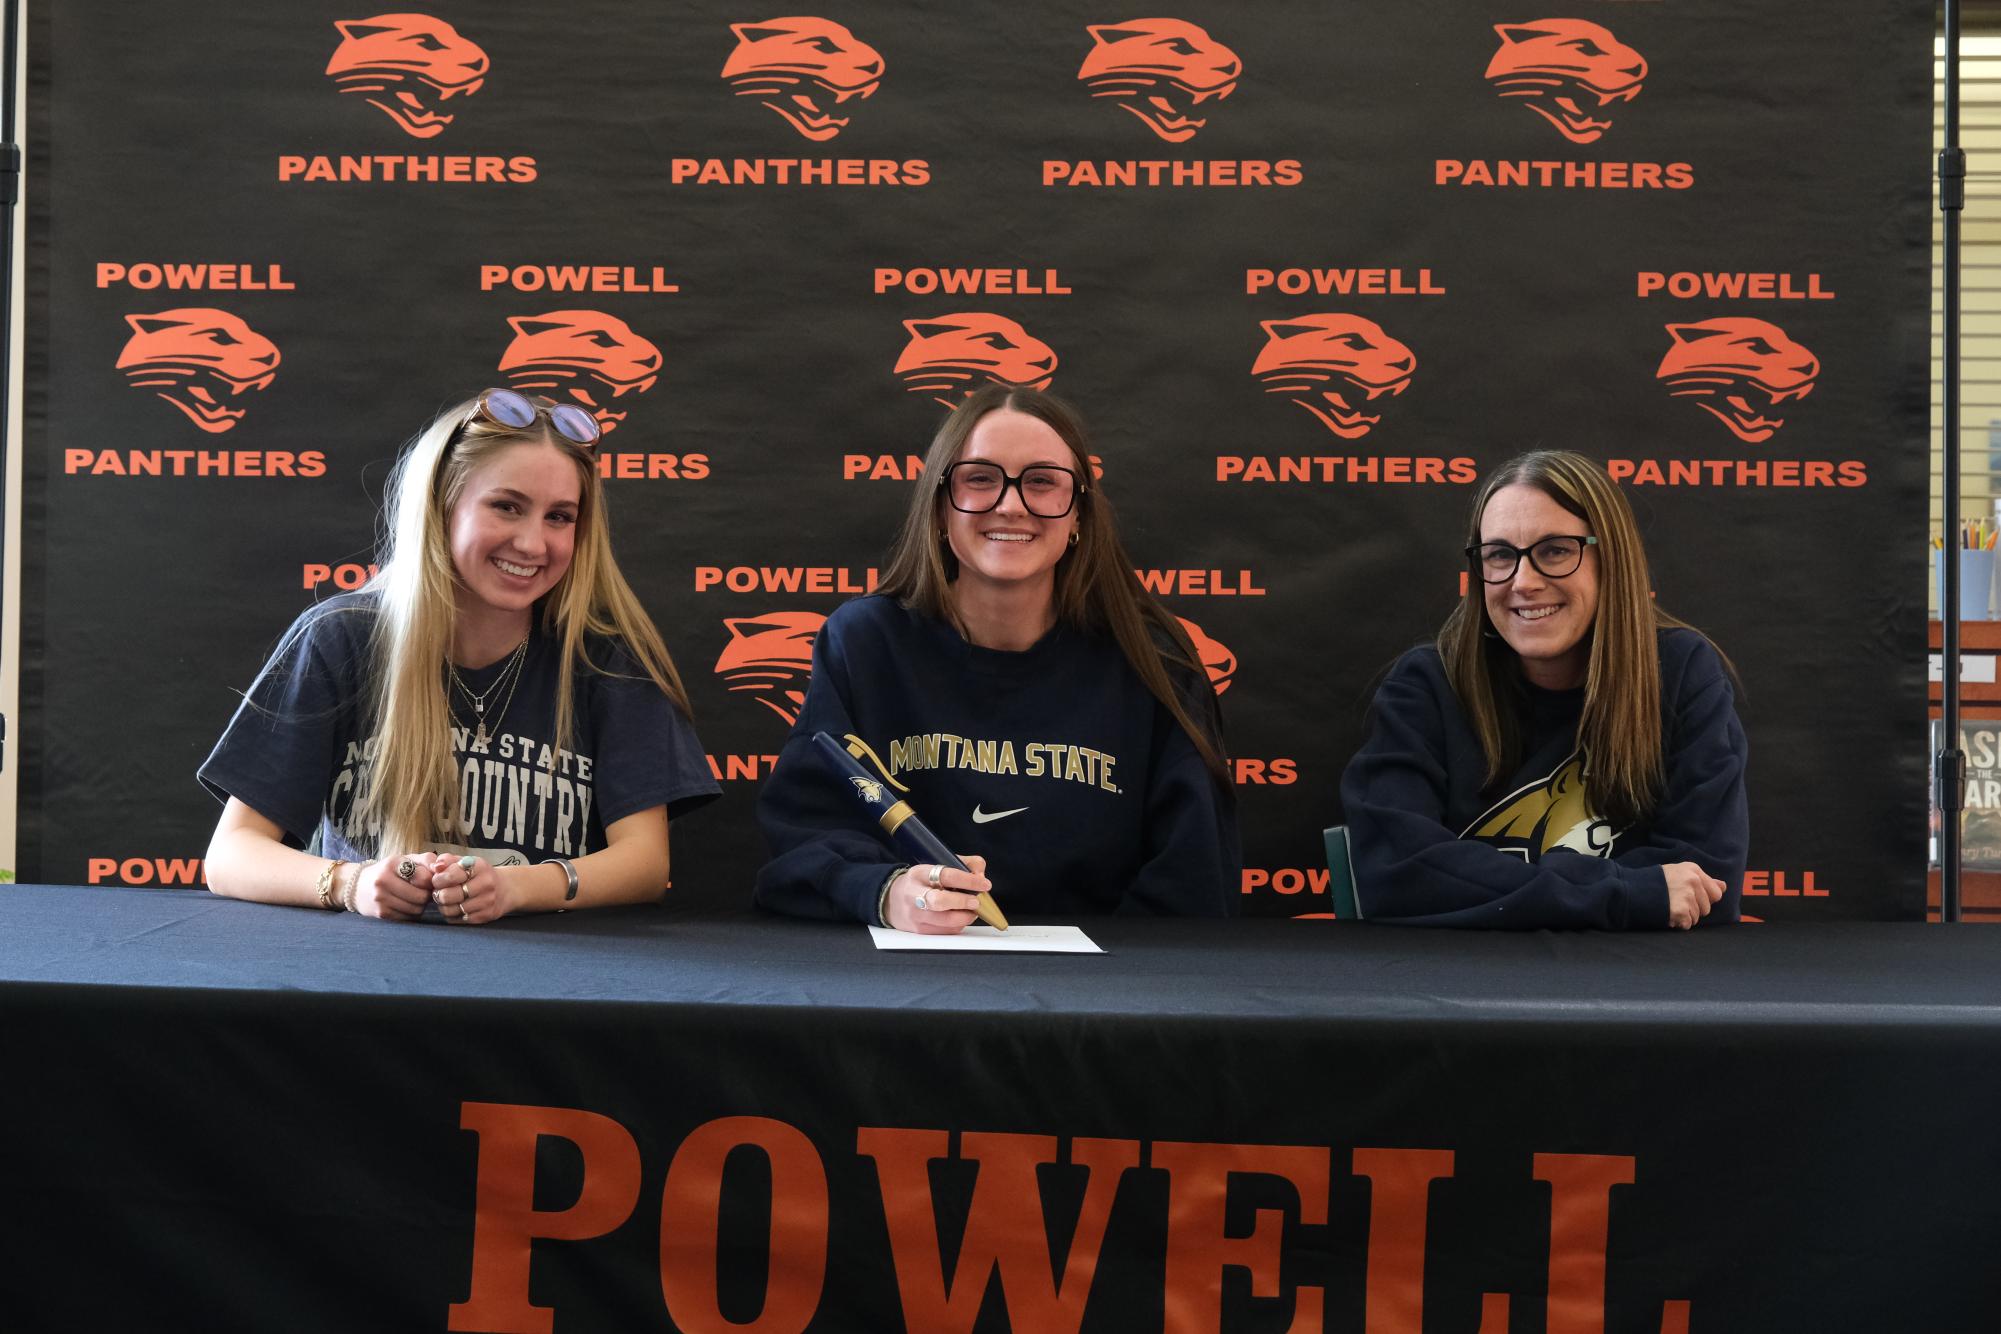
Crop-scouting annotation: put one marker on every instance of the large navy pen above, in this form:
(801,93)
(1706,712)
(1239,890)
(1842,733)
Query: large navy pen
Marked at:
(897,820)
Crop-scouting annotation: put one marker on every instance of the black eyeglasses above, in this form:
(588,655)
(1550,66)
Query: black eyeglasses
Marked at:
(516,411)
(1554,557)
(1046,491)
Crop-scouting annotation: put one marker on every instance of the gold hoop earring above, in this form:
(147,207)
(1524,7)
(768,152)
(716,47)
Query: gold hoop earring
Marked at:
(1073,537)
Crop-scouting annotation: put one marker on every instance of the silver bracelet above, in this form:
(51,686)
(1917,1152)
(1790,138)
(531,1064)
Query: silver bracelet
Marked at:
(569,874)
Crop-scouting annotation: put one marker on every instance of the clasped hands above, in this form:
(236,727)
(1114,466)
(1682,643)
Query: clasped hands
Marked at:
(396,887)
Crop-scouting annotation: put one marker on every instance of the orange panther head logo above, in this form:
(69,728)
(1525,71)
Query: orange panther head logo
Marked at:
(799,67)
(1333,366)
(1159,70)
(771,657)
(407,65)
(586,356)
(1217,660)
(1568,71)
(1739,369)
(200,360)
(949,356)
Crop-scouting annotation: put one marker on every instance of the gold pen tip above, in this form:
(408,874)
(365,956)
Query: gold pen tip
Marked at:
(990,912)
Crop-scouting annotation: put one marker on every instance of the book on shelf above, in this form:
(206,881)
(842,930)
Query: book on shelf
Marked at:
(1980,821)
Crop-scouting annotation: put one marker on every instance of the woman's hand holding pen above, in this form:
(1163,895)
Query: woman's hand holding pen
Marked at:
(937,900)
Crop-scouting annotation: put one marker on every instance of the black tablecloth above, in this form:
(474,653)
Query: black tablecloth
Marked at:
(231,1116)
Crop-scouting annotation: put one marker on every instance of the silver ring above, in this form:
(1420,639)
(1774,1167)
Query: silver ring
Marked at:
(406,869)
(921,905)
(937,877)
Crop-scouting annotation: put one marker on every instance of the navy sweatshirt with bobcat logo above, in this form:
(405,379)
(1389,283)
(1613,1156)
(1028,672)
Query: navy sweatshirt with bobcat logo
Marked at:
(1432,843)
(1055,764)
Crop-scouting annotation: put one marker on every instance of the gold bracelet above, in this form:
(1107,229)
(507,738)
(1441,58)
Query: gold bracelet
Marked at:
(325,888)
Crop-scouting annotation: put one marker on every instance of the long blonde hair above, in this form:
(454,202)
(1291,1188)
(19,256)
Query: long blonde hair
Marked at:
(1620,730)
(1096,590)
(412,794)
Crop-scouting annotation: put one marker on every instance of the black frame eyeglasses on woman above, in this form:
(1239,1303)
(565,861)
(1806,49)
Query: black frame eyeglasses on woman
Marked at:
(1555,556)
(1040,486)
(517,411)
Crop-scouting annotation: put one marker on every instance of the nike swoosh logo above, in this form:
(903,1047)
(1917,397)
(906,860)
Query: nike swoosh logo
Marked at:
(984,817)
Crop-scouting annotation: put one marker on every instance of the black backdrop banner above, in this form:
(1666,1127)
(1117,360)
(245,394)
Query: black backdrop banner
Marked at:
(1308,269)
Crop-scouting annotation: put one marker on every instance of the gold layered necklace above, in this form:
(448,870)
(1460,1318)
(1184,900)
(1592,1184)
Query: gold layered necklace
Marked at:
(510,677)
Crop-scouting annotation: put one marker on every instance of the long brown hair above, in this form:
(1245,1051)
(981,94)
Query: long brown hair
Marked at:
(412,795)
(1096,590)
(1620,730)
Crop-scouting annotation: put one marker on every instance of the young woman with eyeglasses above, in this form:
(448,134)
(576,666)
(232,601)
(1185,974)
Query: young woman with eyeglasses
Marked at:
(1568,753)
(491,725)
(1045,716)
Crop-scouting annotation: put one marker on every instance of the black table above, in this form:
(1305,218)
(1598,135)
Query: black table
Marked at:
(220,1115)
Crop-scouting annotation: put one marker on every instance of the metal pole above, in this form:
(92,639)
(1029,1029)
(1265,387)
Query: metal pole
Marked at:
(1950,762)
(10,195)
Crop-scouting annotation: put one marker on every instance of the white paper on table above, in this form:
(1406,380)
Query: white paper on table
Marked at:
(1019,939)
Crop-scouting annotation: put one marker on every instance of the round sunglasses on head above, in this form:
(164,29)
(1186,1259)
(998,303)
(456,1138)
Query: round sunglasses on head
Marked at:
(506,407)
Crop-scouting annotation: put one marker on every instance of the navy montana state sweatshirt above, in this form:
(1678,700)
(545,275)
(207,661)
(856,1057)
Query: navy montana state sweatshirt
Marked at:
(1055,764)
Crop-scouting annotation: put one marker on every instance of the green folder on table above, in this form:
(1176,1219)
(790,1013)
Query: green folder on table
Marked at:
(1341,875)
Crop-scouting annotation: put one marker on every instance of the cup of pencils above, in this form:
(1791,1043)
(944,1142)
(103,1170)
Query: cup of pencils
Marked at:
(1976,551)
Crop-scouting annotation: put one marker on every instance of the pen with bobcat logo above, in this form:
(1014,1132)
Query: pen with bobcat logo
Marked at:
(1013,680)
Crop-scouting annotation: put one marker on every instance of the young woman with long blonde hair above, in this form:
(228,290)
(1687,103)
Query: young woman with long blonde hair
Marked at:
(491,725)
(1045,715)
(1568,753)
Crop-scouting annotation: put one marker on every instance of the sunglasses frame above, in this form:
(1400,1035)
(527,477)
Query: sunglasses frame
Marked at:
(556,414)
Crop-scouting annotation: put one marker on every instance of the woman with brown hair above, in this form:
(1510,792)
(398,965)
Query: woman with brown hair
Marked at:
(1568,753)
(491,725)
(1039,709)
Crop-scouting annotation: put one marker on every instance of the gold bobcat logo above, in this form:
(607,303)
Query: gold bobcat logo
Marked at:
(407,66)
(1547,814)
(870,789)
